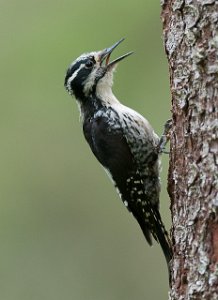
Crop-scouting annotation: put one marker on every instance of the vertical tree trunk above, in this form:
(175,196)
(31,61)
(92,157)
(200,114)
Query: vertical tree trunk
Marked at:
(191,42)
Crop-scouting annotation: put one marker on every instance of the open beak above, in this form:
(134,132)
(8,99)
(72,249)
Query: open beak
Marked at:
(105,55)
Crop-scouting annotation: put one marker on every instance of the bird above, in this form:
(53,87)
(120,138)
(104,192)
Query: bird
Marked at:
(121,139)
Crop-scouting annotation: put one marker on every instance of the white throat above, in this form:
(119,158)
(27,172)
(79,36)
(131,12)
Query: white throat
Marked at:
(104,90)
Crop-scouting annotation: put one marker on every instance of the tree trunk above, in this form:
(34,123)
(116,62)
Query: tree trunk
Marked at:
(191,42)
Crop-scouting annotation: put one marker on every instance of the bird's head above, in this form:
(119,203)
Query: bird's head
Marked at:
(92,72)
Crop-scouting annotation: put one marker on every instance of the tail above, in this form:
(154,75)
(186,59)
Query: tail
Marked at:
(156,227)
(147,213)
(161,236)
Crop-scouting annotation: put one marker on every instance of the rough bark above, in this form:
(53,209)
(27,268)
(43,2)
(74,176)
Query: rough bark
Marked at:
(191,41)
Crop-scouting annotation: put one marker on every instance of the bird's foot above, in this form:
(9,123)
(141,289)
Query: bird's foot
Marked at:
(165,137)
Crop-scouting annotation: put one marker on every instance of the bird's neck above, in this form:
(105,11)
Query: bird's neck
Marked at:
(105,94)
(101,99)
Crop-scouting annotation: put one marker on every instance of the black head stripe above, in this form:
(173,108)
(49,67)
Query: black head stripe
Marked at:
(78,74)
(72,68)
(76,77)
(75,66)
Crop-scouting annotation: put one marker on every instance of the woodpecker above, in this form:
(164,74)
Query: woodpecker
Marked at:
(121,139)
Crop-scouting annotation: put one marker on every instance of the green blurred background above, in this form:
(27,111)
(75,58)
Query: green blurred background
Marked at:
(64,233)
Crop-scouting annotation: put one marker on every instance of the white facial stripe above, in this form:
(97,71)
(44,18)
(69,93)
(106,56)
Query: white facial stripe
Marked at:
(103,86)
(70,79)
(89,83)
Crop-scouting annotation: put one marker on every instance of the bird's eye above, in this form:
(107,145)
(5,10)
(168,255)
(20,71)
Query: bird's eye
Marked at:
(89,64)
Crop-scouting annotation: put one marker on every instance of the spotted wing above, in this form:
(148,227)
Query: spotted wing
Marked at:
(113,152)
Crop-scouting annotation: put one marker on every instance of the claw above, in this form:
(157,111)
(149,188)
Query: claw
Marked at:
(165,137)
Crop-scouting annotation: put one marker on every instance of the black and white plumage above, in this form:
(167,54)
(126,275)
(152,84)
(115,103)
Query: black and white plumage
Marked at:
(121,139)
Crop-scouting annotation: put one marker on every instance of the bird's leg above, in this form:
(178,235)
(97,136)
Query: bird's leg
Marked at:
(165,137)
